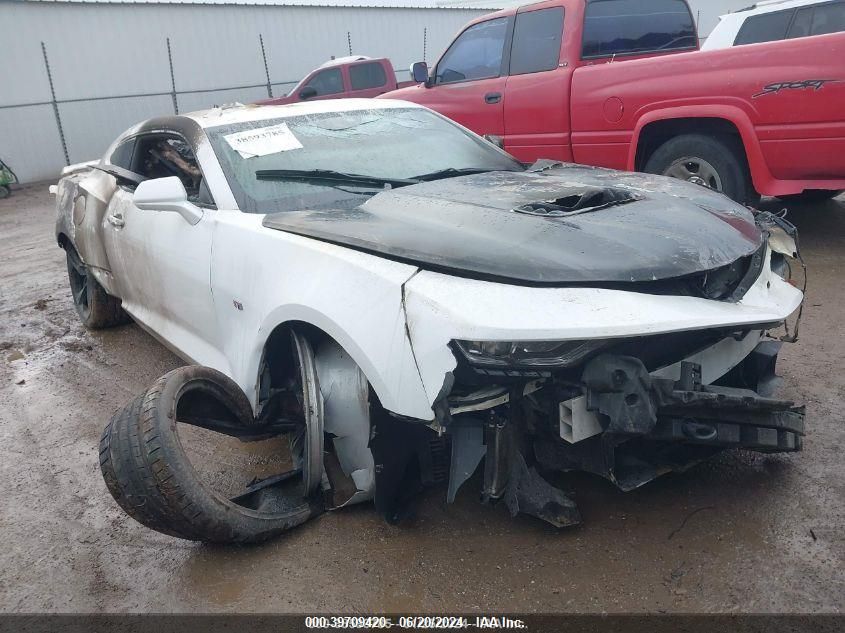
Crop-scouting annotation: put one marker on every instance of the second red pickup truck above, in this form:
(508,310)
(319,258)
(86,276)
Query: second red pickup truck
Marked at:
(356,76)
(622,84)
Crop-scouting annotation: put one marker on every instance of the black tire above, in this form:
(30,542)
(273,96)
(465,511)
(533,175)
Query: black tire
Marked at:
(811,195)
(5,192)
(152,479)
(722,153)
(119,453)
(96,308)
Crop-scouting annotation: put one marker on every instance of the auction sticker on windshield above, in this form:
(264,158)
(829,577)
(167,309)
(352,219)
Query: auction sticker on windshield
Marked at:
(263,141)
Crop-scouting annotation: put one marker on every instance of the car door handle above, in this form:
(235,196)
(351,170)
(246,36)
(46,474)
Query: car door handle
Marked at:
(116,220)
(492,97)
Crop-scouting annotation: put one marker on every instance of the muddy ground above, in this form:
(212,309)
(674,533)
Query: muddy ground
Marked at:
(743,533)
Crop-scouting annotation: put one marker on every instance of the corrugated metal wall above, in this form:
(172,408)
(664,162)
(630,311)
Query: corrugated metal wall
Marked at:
(97,51)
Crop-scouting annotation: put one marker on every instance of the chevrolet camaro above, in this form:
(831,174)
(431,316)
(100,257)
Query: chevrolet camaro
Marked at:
(373,300)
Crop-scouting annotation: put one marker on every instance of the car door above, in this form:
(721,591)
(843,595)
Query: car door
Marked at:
(536,104)
(160,262)
(328,84)
(469,80)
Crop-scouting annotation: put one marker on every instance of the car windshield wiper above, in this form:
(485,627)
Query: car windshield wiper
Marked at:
(451,172)
(329,176)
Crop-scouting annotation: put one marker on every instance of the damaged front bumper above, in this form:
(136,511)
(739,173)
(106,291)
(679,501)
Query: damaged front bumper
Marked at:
(628,426)
(655,425)
(663,383)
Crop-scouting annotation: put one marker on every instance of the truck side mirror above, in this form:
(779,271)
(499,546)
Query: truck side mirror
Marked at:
(166,194)
(419,71)
(307,92)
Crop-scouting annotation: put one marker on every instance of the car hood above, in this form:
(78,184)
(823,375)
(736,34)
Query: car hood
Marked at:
(551,225)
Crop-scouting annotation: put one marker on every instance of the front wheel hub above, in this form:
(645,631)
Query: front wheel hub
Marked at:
(695,170)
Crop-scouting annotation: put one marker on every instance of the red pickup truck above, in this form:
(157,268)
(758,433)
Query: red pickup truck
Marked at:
(607,83)
(354,76)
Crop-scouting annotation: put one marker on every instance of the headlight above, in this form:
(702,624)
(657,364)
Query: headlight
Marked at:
(528,353)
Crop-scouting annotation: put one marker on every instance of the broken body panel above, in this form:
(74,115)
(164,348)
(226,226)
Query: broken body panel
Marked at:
(623,263)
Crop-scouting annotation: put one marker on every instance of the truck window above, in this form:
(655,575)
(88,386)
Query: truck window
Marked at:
(536,41)
(363,76)
(326,82)
(631,27)
(828,18)
(475,54)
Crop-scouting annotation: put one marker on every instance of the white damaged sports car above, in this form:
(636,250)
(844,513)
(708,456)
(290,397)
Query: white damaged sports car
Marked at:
(375,300)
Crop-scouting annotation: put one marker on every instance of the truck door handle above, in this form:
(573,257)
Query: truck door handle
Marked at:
(492,97)
(116,220)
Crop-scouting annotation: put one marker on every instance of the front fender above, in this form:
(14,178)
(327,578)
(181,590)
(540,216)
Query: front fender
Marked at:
(394,378)
(263,278)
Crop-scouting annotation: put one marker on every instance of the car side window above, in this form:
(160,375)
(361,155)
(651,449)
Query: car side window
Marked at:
(536,41)
(767,27)
(364,76)
(828,18)
(802,23)
(326,82)
(163,155)
(475,54)
(122,154)
(631,27)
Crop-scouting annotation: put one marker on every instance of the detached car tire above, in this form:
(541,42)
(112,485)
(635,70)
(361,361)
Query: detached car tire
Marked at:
(149,475)
(96,308)
(716,162)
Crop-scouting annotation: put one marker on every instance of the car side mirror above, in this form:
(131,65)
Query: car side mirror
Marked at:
(166,194)
(419,71)
(308,92)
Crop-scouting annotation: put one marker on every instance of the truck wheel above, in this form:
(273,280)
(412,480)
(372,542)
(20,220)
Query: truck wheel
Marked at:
(711,161)
(96,308)
(811,195)
(168,468)
(5,192)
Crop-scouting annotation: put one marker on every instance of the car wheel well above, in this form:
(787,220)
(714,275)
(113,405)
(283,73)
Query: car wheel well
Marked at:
(278,352)
(653,135)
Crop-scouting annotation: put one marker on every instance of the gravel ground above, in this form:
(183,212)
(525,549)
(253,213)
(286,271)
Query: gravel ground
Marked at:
(742,533)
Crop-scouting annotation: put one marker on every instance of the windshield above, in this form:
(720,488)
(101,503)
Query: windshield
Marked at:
(383,148)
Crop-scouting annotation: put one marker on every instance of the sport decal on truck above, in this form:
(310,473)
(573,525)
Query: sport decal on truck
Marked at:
(793,85)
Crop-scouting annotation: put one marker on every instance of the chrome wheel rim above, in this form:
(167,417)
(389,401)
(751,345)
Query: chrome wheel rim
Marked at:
(79,289)
(695,170)
(307,445)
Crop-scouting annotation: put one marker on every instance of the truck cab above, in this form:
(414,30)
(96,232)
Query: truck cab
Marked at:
(354,76)
(622,84)
(529,54)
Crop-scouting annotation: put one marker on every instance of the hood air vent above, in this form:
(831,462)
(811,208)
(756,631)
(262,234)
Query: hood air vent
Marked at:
(576,201)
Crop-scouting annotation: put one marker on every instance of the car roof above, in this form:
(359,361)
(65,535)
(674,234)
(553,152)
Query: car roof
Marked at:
(191,125)
(226,115)
(770,6)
